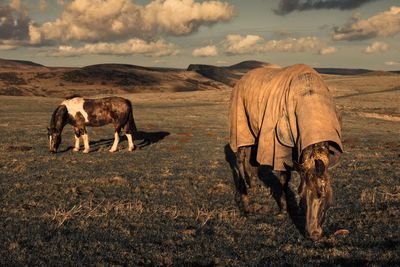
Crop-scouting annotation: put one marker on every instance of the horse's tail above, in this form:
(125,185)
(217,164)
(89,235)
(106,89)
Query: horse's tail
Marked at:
(131,125)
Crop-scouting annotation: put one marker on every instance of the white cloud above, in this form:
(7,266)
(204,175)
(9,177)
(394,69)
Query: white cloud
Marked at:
(35,36)
(301,44)
(327,50)
(16,5)
(384,24)
(42,5)
(157,48)
(235,44)
(392,63)
(5,46)
(376,47)
(105,20)
(160,61)
(222,62)
(207,51)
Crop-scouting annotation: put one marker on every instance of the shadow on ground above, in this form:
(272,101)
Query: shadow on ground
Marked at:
(270,180)
(146,138)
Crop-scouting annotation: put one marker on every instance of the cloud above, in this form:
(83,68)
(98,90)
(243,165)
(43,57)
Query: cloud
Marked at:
(327,50)
(42,5)
(376,47)
(222,62)
(135,46)
(207,51)
(392,63)
(7,46)
(383,24)
(235,44)
(14,22)
(16,5)
(106,20)
(160,61)
(301,44)
(287,6)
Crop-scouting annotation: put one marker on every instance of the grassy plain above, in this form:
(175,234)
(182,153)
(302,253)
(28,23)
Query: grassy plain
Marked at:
(172,201)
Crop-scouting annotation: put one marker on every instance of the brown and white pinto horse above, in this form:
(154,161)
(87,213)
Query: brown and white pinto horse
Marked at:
(82,112)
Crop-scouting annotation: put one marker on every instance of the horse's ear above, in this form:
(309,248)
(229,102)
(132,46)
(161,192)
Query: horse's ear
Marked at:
(319,167)
(289,168)
(298,167)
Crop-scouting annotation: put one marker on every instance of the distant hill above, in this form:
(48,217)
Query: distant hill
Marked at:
(10,63)
(27,79)
(219,74)
(19,77)
(227,74)
(247,65)
(342,71)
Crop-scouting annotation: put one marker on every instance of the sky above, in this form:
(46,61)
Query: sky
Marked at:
(176,33)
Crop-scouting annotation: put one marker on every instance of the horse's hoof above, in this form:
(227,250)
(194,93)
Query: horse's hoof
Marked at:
(75,149)
(130,149)
(86,151)
(112,150)
(280,215)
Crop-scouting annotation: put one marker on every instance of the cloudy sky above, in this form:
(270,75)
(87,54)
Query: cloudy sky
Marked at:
(176,33)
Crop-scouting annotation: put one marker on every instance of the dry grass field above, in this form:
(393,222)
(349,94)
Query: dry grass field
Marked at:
(172,201)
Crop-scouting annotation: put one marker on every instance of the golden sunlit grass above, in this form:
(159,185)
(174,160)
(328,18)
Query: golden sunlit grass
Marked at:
(85,210)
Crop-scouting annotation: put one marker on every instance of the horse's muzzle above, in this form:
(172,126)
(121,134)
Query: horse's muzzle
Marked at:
(315,235)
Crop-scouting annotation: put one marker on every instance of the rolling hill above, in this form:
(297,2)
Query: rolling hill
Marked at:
(25,78)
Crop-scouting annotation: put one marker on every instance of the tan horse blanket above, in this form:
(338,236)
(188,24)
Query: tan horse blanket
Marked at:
(283,110)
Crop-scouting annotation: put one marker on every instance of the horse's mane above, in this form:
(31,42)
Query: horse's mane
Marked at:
(72,96)
(53,121)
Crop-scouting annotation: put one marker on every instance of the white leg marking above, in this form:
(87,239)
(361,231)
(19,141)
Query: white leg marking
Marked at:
(131,146)
(116,141)
(85,138)
(50,139)
(76,148)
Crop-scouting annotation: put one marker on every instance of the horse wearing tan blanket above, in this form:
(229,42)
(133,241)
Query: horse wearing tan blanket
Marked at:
(286,118)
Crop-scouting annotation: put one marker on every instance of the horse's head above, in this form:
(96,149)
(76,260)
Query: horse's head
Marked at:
(54,138)
(315,187)
(57,122)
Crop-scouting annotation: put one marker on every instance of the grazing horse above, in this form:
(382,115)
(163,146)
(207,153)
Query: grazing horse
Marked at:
(82,112)
(286,118)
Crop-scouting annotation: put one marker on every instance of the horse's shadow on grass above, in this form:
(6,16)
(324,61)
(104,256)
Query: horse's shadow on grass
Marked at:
(145,138)
(270,180)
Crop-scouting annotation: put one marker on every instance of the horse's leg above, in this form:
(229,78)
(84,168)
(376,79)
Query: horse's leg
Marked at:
(246,173)
(85,138)
(77,145)
(131,145)
(128,132)
(76,135)
(251,167)
(284,178)
(116,139)
(130,129)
